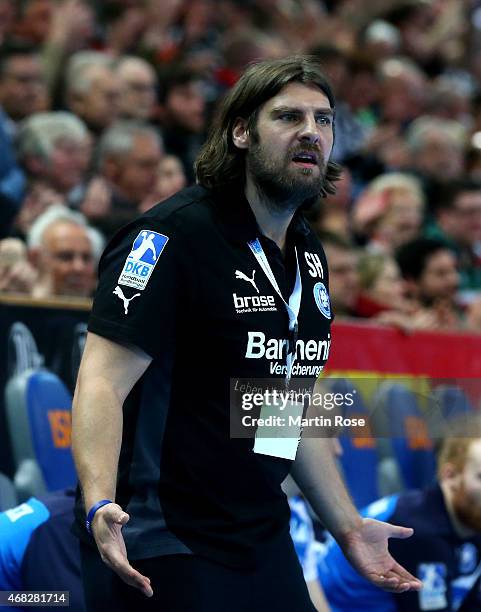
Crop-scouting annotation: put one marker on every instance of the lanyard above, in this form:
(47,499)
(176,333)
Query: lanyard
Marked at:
(292,307)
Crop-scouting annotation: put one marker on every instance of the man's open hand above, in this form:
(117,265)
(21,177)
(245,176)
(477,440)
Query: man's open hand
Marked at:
(107,531)
(366,548)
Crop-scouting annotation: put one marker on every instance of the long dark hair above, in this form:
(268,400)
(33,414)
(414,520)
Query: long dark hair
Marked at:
(220,163)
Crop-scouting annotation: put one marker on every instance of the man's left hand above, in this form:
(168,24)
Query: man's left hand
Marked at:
(366,548)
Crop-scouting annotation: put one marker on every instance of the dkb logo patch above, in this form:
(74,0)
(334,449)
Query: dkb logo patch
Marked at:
(141,261)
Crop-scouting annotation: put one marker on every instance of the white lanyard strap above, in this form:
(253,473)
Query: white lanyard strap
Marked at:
(293,306)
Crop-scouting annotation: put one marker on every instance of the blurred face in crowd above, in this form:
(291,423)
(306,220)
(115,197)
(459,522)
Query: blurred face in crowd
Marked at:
(403,97)
(98,106)
(439,157)
(7,17)
(403,221)
(67,260)
(466,489)
(35,23)
(341,200)
(22,86)
(439,279)
(361,89)
(170,177)
(137,90)
(185,107)
(135,175)
(388,288)
(463,221)
(67,164)
(343,278)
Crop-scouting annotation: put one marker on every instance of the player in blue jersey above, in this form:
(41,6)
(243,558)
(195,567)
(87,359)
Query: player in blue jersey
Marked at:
(444,552)
(38,551)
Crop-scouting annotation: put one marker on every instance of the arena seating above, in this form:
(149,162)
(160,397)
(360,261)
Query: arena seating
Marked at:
(359,460)
(38,407)
(407,431)
(8,495)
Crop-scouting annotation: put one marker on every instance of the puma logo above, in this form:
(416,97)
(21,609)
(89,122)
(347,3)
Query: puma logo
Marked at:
(240,275)
(119,293)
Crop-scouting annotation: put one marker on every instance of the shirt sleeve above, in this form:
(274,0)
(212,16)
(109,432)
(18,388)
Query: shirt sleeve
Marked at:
(142,287)
(16,528)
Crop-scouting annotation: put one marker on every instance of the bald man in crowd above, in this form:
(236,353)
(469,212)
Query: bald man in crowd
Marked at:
(138,85)
(64,249)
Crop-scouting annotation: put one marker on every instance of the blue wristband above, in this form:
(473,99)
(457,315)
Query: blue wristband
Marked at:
(93,510)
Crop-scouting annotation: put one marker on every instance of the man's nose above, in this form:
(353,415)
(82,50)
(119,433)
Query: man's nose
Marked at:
(309,130)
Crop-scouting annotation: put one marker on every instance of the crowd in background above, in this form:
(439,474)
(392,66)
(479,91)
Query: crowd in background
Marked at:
(105,105)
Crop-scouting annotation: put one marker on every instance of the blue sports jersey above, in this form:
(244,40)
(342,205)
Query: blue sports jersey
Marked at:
(37,549)
(448,565)
(302,534)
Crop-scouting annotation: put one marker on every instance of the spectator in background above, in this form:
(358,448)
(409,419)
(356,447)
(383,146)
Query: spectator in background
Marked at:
(17,275)
(65,251)
(403,91)
(170,179)
(54,148)
(332,214)
(382,296)
(33,20)
(92,89)
(23,89)
(458,224)
(344,288)
(183,115)
(432,280)
(381,283)
(12,179)
(444,552)
(369,286)
(380,40)
(128,158)
(450,99)
(436,153)
(7,19)
(389,212)
(138,85)
(244,46)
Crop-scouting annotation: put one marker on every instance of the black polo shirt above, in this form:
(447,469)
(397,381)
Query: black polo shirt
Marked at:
(182,284)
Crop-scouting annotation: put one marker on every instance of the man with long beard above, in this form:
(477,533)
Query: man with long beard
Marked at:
(445,551)
(233,286)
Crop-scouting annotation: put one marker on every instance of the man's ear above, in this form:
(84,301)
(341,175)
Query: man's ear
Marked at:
(240,134)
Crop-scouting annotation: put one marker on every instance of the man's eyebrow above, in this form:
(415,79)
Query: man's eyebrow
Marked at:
(325,110)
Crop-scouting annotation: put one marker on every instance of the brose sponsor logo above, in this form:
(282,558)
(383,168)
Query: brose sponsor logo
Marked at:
(254,303)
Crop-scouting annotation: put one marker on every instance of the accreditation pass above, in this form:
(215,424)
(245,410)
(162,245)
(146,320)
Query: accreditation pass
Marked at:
(279,436)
